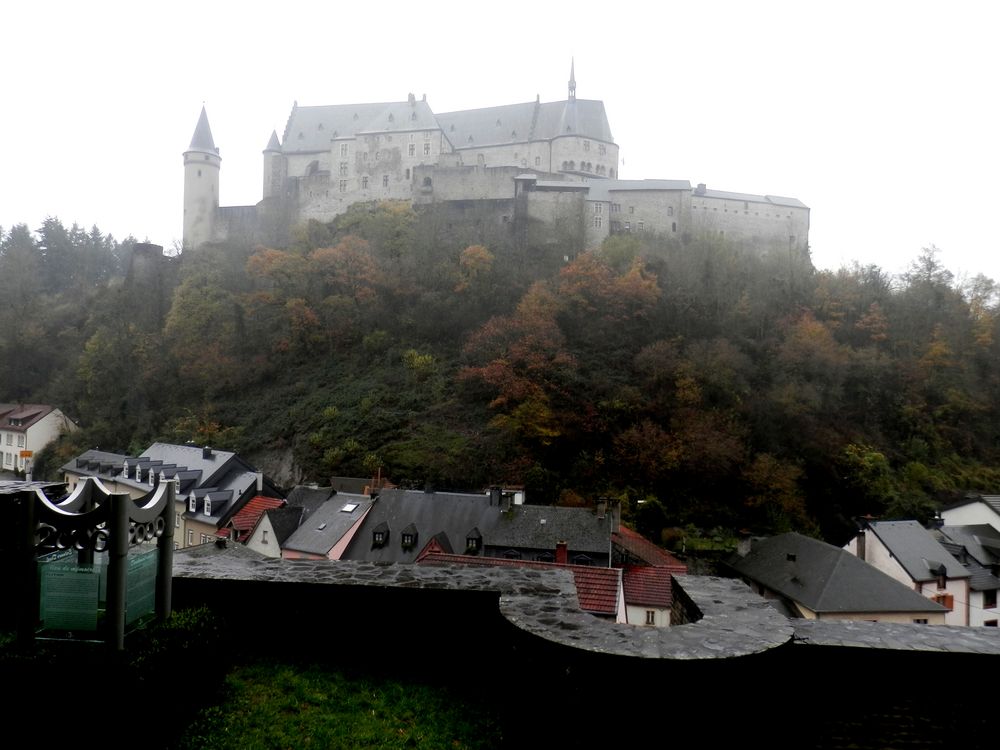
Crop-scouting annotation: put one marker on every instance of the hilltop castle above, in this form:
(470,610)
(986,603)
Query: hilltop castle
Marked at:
(536,164)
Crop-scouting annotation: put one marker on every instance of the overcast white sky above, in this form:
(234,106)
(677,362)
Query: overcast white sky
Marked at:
(881,116)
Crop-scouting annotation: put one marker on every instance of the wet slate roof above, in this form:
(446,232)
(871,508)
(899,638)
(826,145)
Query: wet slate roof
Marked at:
(916,550)
(825,578)
(542,527)
(326,526)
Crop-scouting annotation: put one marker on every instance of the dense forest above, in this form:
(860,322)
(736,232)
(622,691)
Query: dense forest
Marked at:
(697,383)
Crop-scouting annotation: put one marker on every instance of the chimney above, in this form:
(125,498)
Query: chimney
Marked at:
(260,481)
(602,508)
(206,452)
(562,554)
(700,190)
(494,496)
(506,502)
(862,546)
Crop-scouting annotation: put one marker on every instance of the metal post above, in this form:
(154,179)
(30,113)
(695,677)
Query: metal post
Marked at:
(117,570)
(27,569)
(165,558)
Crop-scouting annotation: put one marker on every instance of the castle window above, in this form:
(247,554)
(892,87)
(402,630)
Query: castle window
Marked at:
(343,186)
(538,161)
(670,210)
(598,221)
(385,180)
(673,226)
(427,182)
(427,133)
(407,173)
(199,173)
(343,149)
(586,145)
(378,156)
(413,115)
(391,118)
(343,169)
(602,149)
(427,149)
(598,208)
(364,156)
(611,174)
(631,209)
(628,226)
(572,165)
(364,182)
(641,226)
(411,150)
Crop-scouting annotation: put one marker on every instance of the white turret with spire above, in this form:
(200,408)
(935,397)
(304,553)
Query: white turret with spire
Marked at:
(201,185)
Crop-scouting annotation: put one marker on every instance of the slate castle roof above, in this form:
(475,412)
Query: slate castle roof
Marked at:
(826,579)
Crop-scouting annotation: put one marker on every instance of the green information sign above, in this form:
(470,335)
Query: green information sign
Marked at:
(140,592)
(69,595)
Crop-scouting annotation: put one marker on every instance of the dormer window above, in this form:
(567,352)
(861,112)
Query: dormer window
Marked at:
(380,535)
(408,537)
(138,473)
(192,503)
(208,506)
(473,542)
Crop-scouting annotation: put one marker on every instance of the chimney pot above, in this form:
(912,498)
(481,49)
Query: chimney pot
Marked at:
(562,553)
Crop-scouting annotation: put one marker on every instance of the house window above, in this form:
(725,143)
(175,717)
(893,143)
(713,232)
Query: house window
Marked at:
(650,616)
(427,149)
(990,599)
(20,441)
(343,186)
(190,537)
(545,557)
(385,180)
(192,503)
(208,506)
(583,560)
(263,536)
(407,540)
(364,182)
(990,623)
(411,149)
(920,621)
(177,520)
(343,149)
(512,554)
(427,135)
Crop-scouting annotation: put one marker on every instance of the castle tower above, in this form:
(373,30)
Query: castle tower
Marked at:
(201,185)
(572,80)
(274,167)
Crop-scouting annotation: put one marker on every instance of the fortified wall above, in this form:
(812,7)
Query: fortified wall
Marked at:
(731,670)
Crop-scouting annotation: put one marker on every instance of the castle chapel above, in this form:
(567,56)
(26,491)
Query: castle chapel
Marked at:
(537,162)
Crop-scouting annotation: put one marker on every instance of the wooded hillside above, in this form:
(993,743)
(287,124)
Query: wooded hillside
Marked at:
(719,388)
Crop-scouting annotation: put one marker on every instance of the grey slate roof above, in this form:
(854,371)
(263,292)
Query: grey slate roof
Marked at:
(542,526)
(518,123)
(982,541)
(825,578)
(311,129)
(202,140)
(774,200)
(600,190)
(284,521)
(916,550)
(326,526)
(431,513)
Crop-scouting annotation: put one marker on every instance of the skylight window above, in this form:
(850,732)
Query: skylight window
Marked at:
(349,508)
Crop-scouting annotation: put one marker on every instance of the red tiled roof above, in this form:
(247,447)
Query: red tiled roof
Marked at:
(248,516)
(647,585)
(640,547)
(596,588)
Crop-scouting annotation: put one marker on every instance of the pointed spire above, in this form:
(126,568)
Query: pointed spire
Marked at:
(273,144)
(202,139)
(572,79)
